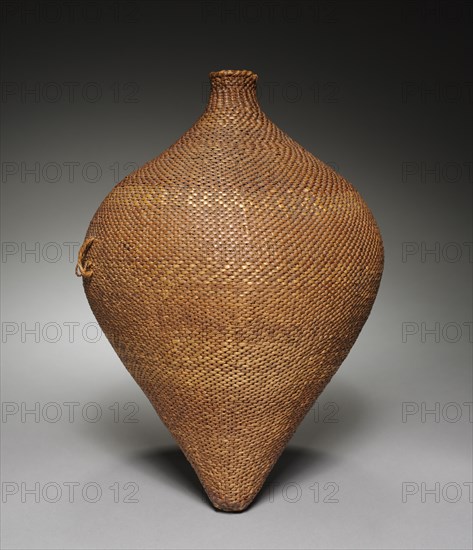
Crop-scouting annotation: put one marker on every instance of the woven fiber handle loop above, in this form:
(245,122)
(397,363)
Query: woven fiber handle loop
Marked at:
(84,268)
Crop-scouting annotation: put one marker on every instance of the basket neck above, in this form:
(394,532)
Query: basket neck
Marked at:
(232,90)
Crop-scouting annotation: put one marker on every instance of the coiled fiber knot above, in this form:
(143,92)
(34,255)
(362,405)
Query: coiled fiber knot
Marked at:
(84,268)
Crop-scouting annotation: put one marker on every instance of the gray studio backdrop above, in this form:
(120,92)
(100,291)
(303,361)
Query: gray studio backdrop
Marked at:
(382,92)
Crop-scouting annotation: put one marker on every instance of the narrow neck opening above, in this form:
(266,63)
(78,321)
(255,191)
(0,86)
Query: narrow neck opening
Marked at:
(233,89)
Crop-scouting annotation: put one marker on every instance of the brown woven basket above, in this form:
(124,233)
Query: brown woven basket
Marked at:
(232,274)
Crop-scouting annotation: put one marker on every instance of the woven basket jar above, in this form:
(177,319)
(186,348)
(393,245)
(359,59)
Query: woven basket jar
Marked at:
(232,274)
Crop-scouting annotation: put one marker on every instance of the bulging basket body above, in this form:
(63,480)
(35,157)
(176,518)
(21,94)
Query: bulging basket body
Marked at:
(232,274)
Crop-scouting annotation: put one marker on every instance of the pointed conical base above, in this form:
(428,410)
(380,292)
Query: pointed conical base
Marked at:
(233,446)
(233,489)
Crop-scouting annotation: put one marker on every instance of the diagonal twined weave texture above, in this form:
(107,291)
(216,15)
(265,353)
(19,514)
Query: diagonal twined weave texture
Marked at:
(232,274)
